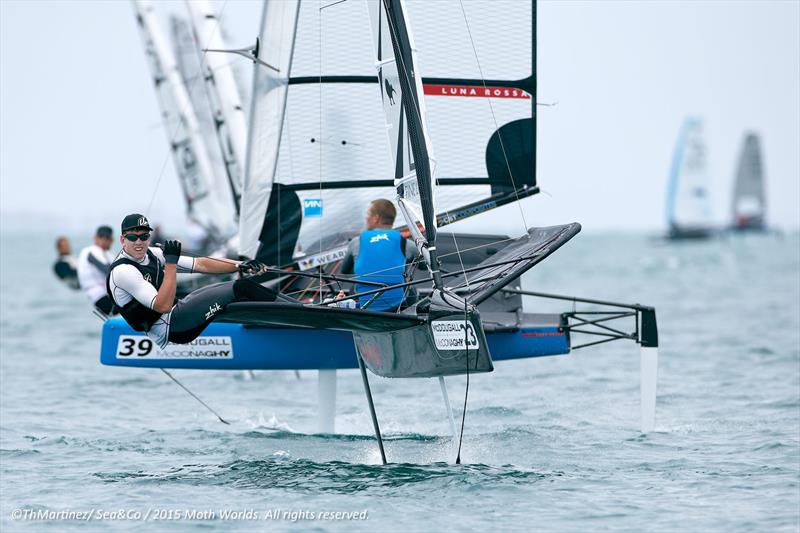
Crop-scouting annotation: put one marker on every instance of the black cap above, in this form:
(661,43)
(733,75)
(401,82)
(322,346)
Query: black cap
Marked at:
(104,231)
(135,221)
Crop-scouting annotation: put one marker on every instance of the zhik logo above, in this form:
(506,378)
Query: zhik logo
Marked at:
(212,310)
(379,237)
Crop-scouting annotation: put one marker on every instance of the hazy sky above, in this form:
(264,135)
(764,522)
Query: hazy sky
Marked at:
(81,141)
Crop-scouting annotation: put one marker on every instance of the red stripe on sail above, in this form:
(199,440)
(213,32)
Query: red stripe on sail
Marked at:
(475,92)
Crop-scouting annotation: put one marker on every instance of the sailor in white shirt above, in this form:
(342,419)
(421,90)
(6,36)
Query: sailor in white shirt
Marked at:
(93,264)
(141,282)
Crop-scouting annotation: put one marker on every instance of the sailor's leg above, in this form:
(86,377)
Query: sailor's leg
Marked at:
(192,314)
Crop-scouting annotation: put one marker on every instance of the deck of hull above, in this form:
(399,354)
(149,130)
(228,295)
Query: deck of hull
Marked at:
(230,346)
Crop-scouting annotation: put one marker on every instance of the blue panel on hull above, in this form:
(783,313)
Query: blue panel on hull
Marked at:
(237,347)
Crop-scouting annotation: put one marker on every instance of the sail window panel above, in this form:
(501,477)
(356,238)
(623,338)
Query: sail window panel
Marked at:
(461,128)
(501,32)
(352,144)
(343,217)
(343,45)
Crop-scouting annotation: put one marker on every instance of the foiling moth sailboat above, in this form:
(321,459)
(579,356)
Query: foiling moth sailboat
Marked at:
(688,201)
(749,203)
(330,81)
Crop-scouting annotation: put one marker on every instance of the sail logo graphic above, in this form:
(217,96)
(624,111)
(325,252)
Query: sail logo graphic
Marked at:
(312,207)
(147,278)
(378,238)
(481,92)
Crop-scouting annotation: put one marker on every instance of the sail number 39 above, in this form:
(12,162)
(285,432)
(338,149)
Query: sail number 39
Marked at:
(134,346)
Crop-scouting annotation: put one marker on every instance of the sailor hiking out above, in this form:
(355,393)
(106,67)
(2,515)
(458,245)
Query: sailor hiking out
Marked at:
(379,255)
(93,264)
(142,281)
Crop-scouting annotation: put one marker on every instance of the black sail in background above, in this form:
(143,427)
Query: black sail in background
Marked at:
(749,204)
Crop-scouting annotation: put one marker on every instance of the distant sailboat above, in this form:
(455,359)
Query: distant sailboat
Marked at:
(688,201)
(207,198)
(749,204)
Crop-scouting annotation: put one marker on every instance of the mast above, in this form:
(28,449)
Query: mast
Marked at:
(407,126)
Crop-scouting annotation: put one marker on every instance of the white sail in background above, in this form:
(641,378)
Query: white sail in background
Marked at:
(223,93)
(188,62)
(688,202)
(749,203)
(202,192)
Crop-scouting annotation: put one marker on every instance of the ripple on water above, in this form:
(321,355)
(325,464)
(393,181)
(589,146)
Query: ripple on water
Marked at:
(334,476)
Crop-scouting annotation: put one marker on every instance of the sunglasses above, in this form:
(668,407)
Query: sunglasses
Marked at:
(133,237)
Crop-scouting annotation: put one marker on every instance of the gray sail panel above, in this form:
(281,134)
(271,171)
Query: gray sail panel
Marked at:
(749,203)
(188,61)
(205,198)
(222,93)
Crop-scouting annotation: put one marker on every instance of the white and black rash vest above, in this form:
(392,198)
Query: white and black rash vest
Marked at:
(140,317)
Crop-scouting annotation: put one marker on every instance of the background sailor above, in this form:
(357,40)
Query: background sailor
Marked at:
(93,264)
(65,268)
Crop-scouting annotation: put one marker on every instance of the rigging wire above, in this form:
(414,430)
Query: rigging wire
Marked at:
(494,118)
(319,222)
(183,110)
(193,395)
(466,389)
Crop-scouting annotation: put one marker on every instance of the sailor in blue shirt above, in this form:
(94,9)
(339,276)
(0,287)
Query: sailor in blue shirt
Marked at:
(379,255)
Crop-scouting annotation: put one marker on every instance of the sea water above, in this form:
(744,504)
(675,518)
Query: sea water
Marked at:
(549,444)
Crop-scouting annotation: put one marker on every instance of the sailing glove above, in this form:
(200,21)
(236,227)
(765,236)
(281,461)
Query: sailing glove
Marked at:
(251,267)
(172,251)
